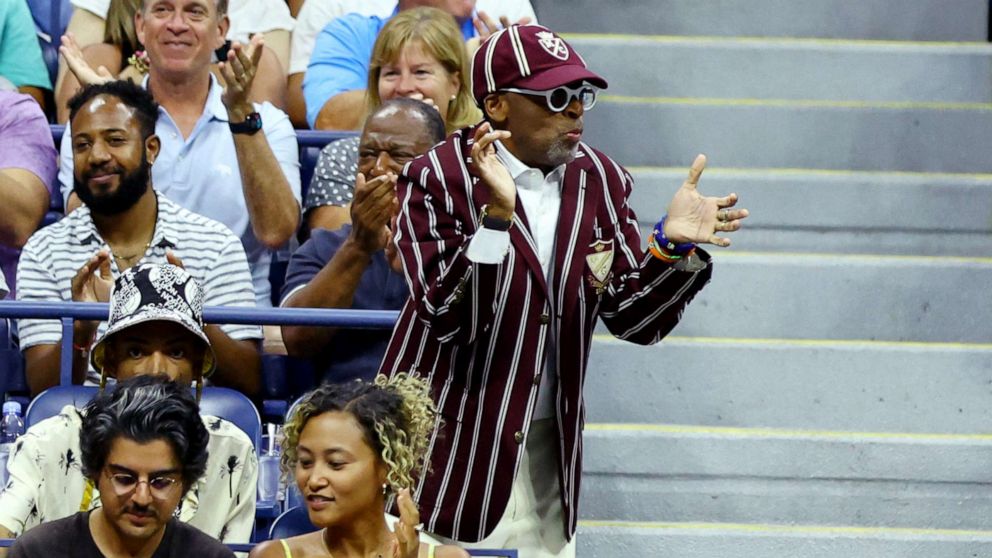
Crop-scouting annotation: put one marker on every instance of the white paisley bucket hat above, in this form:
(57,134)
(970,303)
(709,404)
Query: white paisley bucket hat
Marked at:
(151,292)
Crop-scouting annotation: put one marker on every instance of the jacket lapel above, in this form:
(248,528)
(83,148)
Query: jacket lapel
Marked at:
(582,191)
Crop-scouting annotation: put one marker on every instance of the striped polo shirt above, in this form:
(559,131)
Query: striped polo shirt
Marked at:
(209,251)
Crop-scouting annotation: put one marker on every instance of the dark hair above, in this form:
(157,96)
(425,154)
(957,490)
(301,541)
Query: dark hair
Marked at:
(145,409)
(396,414)
(435,124)
(132,95)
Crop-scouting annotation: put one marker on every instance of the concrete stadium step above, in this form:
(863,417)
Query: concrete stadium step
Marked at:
(780,383)
(833,296)
(756,133)
(921,20)
(700,540)
(823,200)
(689,473)
(735,67)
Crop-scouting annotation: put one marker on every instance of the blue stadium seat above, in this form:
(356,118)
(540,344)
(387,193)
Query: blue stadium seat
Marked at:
(292,522)
(234,406)
(51,401)
(12,378)
(217,401)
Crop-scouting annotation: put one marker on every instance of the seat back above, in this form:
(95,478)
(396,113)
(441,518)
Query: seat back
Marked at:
(51,401)
(233,406)
(216,401)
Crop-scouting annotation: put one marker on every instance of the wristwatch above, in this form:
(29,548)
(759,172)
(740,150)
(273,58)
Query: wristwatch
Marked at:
(251,125)
(492,222)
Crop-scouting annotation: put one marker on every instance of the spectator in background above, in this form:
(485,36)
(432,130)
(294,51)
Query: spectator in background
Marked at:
(21,63)
(155,329)
(125,222)
(123,56)
(27,175)
(418,54)
(338,62)
(357,266)
(349,447)
(144,448)
(213,160)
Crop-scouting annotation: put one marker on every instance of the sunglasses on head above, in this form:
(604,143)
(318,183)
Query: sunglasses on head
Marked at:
(560,97)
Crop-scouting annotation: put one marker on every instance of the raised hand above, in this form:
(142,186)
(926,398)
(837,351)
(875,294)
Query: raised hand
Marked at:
(93,282)
(239,73)
(485,26)
(502,190)
(372,209)
(406,541)
(695,218)
(77,64)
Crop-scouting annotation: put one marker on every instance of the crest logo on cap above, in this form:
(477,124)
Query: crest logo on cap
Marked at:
(554,46)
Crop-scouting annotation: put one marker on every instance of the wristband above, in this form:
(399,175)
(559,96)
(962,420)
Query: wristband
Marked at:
(491,222)
(668,246)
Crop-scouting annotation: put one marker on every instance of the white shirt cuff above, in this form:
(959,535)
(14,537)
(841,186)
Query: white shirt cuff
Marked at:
(488,246)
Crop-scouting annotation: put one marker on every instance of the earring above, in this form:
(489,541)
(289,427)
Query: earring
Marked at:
(385,489)
(453,97)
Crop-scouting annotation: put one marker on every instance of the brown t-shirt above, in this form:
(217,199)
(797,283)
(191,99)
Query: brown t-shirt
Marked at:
(71,537)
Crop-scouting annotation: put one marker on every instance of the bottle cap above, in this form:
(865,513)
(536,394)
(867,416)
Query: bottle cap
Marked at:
(12,407)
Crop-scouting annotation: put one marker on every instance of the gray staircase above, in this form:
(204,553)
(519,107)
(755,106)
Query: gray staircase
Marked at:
(829,393)
(897,20)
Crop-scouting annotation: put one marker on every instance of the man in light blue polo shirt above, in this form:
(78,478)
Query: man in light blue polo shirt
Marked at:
(213,161)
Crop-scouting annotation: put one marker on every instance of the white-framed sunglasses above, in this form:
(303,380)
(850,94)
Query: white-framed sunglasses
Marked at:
(559,98)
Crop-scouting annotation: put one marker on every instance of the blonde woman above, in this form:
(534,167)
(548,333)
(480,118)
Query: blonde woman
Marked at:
(420,54)
(349,447)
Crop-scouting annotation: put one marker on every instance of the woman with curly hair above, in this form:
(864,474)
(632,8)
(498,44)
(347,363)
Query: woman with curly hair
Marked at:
(349,447)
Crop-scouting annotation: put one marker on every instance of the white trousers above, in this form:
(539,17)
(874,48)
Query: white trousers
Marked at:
(533,522)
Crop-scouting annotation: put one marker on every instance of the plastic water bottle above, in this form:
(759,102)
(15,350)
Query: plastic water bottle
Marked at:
(11,426)
(268,468)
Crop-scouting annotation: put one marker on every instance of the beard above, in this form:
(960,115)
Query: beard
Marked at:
(132,186)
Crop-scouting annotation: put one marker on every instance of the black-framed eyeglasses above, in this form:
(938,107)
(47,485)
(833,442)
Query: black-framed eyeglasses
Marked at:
(559,98)
(126,483)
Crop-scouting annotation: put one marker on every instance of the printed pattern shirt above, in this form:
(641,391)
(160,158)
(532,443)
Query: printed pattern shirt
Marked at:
(46,481)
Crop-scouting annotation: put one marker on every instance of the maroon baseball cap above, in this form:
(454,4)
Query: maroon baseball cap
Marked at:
(527,57)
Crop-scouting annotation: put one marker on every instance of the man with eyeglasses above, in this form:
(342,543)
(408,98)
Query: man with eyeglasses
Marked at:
(144,446)
(516,239)
(155,329)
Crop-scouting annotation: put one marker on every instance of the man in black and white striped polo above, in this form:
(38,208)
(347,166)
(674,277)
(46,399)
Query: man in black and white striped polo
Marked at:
(124,222)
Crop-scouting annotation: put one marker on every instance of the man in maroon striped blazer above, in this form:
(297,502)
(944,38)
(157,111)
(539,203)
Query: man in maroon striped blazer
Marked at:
(516,237)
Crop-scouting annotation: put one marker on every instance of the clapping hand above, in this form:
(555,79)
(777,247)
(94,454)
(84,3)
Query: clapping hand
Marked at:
(485,27)
(372,209)
(502,190)
(695,218)
(406,541)
(93,282)
(77,64)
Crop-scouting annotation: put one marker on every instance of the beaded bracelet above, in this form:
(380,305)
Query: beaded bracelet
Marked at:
(666,250)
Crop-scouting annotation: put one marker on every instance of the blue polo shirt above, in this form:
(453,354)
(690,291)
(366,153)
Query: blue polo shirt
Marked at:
(340,59)
(352,353)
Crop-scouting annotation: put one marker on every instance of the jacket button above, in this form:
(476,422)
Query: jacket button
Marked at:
(545,319)
(519,437)
(537,379)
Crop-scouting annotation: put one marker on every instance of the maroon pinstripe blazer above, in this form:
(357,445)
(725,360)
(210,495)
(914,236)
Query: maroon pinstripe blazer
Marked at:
(480,332)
